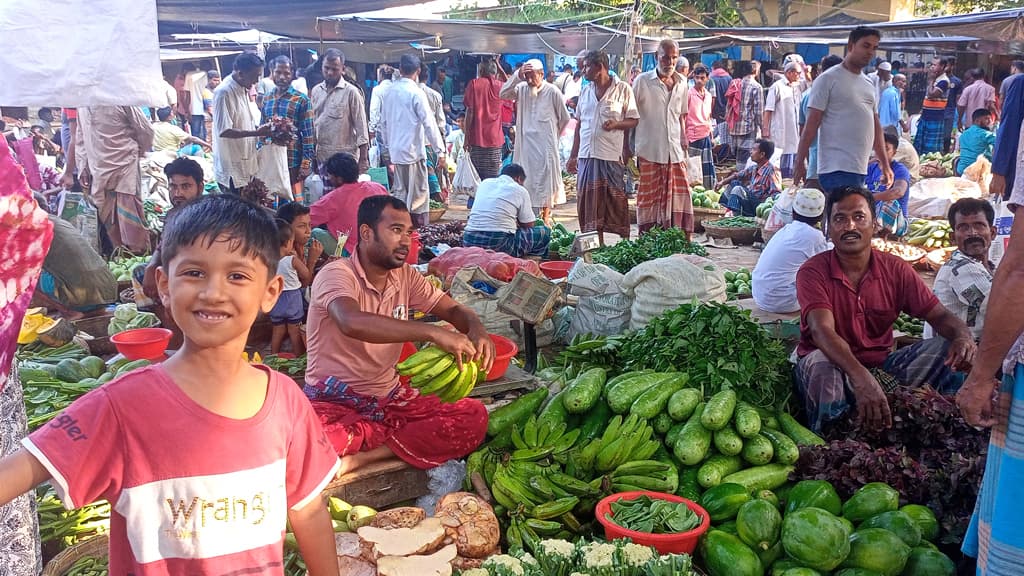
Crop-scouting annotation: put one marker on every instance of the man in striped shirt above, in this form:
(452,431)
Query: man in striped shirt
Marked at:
(287,102)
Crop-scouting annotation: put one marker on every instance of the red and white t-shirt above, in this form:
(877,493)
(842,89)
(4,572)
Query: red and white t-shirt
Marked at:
(192,492)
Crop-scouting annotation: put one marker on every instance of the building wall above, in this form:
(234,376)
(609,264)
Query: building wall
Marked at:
(806,12)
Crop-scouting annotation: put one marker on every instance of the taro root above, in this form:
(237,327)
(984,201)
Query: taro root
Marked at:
(424,538)
(470,523)
(404,517)
(436,564)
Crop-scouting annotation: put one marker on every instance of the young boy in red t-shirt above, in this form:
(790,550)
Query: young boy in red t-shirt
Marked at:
(203,457)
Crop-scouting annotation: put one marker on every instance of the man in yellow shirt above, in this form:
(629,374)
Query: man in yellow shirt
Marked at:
(169,138)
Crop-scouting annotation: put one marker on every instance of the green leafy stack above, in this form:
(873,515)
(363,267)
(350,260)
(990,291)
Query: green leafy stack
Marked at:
(651,245)
(561,240)
(653,515)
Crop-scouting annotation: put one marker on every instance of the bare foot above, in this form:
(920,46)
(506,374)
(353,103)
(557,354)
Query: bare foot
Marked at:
(359,460)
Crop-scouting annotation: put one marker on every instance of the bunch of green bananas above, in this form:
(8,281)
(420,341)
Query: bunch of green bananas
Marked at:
(540,440)
(434,371)
(623,441)
(539,500)
(645,475)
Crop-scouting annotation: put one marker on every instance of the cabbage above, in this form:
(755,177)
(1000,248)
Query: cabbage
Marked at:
(125,312)
(143,320)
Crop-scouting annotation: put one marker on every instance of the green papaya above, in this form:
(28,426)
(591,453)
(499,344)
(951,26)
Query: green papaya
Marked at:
(928,562)
(814,494)
(815,538)
(925,520)
(899,523)
(725,555)
(723,502)
(871,499)
(879,550)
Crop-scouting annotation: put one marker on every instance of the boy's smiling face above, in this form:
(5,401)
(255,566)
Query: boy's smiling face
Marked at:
(216,291)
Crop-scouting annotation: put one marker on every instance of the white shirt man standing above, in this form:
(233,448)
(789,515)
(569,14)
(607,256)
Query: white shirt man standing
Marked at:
(663,195)
(540,117)
(234,129)
(781,112)
(407,125)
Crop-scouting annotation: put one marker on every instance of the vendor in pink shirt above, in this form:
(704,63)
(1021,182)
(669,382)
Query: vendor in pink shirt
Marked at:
(337,209)
(358,321)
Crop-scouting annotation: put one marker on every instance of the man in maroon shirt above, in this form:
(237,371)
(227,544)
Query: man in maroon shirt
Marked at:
(482,126)
(849,297)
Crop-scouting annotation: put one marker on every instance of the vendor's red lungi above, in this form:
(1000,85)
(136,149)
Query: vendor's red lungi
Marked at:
(421,430)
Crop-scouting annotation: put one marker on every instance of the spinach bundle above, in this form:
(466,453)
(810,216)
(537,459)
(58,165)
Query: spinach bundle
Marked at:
(718,345)
(656,243)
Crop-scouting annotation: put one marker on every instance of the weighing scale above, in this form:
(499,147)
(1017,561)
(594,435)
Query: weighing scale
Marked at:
(531,298)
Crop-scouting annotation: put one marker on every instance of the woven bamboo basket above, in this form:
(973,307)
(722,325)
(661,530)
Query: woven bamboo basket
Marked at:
(700,215)
(436,214)
(95,547)
(96,327)
(739,236)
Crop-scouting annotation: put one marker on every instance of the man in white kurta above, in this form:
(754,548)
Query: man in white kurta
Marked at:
(541,116)
(781,116)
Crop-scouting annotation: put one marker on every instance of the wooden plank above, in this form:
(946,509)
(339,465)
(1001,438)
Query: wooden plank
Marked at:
(380,485)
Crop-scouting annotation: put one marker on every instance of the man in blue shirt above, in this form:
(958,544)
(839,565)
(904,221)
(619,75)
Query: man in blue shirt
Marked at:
(890,201)
(890,108)
(977,140)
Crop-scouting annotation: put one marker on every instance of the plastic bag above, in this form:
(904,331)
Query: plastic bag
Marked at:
(980,173)
(374,155)
(661,284)
(466,178)
(273,170)
(782,211)
(444,479)
(603,308)
(1004,222)
(312,188)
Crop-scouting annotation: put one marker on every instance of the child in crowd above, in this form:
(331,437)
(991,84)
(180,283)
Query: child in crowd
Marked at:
(977,140)
(288,315)
(203,457)
(297,215)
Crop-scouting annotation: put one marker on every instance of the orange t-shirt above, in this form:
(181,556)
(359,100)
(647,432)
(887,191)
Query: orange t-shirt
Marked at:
(368,368)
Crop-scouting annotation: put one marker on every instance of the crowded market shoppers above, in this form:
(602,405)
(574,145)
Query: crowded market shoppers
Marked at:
(891,201)
(811,180)
(781,115)
(774,276)
(284,101)
(339,113)
(115,137)
(745,98)
(978,95)
(606,111)
(358,321)
(234,127)
(976,141)
(484,137)
(407,125)
(503,220)
(663,195)
(700,108)
(849,297)
(540,118)
(170,139)
(931,132)
(843,116)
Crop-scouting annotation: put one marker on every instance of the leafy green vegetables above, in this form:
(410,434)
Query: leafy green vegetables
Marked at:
(653,516)
(655,243)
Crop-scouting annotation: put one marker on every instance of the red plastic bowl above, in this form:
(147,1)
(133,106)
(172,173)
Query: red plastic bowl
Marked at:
(504,350)
(556,269)
(142,343)
(682,543)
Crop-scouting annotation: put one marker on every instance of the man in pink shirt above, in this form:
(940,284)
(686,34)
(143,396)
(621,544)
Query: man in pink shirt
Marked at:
(979,94)
(337,209)
(358,322)
(699,124)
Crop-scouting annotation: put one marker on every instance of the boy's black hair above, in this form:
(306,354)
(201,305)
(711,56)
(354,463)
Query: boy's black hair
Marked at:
(163,114)
(742,69)
(979,114)
(513,171)
(292,210)
(700,69)
(971,206)
(284,231)
(247,227)
(185,167)
(766,146)
(892,139)
(370,209)
(863,32)
(344,166)
(836,195)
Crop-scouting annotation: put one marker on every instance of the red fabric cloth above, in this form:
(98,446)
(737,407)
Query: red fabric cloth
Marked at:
(27,157)
(421,430)
(483,102)
(25,236)
(734,98)
(863,314)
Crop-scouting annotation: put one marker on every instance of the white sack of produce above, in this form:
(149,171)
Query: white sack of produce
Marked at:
(603,309)
(486,305)
(664,283)
(932,197)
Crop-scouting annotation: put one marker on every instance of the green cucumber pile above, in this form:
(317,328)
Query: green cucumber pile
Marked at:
(734,222)
(765,208)
(806,530)
(909,325)
(551,459)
